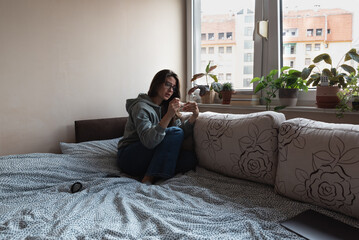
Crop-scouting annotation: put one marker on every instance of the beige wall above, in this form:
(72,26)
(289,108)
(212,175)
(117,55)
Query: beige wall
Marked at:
(66,60)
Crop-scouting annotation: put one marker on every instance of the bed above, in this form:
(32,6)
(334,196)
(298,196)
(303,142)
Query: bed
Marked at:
(37,202)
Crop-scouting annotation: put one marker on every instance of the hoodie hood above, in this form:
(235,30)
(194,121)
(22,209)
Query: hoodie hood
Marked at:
(142,97)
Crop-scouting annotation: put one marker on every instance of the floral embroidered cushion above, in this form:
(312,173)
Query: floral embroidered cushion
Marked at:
(239,145)
(319,164)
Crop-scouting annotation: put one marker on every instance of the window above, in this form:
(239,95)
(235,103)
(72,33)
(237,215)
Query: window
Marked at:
(229,50)
(203,36)
(308,61)
(247,82)
(220,49)
(228,76)
(328,31)
(210,36)
(291,32)
(309,32)
(318,32)
(211,50)
(308,47)
(221,36)
(292,49)
(229,35)
(203,50)
(317,47)
(248,31)
(247,69)
(291,64)
(248,57)
(248,44)
(220,76)
(249,19)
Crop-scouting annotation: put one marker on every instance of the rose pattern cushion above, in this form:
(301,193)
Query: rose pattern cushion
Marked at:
(239,145)
(319,164)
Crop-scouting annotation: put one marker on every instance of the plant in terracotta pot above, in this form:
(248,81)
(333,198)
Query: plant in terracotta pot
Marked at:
(226,92)
(206,92)
(336,77)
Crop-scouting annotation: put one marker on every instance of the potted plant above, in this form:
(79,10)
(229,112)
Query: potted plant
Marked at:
(348,95)
(289,80)
(226,92)
(329,80)
(290,83)
(206,92)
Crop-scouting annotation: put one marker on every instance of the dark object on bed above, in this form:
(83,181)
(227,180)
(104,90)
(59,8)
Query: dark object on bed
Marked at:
(99,129)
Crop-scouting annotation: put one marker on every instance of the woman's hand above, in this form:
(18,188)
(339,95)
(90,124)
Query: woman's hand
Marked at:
(191,107)
(173,106)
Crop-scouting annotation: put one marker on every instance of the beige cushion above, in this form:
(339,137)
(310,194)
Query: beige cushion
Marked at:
(319,164)
(239,145)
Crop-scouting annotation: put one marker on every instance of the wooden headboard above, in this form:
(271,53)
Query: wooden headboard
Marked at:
(99,129)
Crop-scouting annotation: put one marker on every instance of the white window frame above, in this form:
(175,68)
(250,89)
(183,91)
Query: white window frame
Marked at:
(267,52)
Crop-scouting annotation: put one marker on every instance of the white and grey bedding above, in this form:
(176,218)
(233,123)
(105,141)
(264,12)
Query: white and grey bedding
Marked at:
(36,202)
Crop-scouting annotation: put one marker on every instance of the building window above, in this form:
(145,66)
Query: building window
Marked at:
(211,50)
(328,31)
(308,47)
(248,44)
(318,32)
(203,36)
(309,32)
(291,32)
(291,64)
(228,76)
(317,47)
(248,57)
(292,49)
(229,50)
(221,36)
(308,61)
(203,50)
(247,82)
(210,36)
(220,49)
(248,70)
(248,19)
(229,35)
(220,76)
(248,31)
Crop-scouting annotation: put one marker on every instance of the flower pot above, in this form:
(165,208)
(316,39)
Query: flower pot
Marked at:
(288,97)
(226,97)
(327,96)
(208,97)
(355,106)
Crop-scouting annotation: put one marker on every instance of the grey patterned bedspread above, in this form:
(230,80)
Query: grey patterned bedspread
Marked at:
(36,203)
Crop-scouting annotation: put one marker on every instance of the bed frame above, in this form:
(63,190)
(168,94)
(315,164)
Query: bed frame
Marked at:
(99,129)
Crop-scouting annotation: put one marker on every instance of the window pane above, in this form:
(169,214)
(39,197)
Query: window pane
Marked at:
(332,28)
(229,26)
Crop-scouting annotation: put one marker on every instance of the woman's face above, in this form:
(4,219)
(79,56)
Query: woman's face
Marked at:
(167,88)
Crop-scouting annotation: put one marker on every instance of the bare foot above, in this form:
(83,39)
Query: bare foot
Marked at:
(147,179)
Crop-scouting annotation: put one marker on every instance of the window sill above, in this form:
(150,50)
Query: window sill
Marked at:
(320,114)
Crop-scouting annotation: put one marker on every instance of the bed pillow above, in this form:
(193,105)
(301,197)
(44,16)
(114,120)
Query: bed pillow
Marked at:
(99,147)
(319,164)
(239,145)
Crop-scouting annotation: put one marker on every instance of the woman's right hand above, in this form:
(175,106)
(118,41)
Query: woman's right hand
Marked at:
(173,106)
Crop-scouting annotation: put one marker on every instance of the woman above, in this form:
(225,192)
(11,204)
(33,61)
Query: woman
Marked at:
(151,145)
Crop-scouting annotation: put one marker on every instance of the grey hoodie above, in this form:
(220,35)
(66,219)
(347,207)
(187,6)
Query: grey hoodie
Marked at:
(143,123)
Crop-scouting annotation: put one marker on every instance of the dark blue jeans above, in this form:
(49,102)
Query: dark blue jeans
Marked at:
(164,161)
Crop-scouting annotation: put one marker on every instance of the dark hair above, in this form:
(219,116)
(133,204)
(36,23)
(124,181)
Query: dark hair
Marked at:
(156,83)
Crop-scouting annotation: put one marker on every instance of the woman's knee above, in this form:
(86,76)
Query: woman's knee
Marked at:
(174,131)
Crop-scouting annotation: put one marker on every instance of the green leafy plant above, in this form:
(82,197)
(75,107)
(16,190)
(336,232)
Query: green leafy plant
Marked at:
(207,73)
(270,84)
(335,75)
(348,94)
(219,87)
(227,86)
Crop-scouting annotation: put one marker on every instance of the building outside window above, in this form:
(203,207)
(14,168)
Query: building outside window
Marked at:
(203,36)
(221,36)
(248,31)
(249,19)
(210,36)
(211,50)
(220,49)
(229,35)
(248,44)
(317,47)
(308,47)
(228,76)
(247,69)
(318,32)
(308,61)
(229,50)
(248,57)
(220,76)
(309,32)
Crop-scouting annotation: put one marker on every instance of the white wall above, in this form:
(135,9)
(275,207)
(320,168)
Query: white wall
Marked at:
(66,60)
